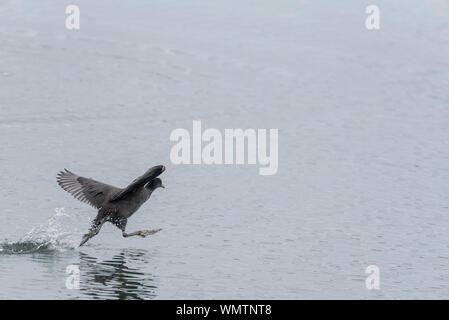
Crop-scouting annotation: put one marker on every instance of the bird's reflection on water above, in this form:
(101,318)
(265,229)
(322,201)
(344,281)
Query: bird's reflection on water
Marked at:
(117,278)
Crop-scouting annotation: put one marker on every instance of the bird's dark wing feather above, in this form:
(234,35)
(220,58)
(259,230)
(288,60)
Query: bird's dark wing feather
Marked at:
(139,182)
(86,190)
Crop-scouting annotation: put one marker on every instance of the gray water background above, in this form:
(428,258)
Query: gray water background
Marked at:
(363,147)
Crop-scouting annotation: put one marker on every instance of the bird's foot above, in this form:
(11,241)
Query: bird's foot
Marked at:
(86,238)
(145,233)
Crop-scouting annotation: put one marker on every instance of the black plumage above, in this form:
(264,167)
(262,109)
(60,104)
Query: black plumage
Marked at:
(114,204)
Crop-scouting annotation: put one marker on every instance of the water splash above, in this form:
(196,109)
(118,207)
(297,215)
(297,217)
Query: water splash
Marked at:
(50,236)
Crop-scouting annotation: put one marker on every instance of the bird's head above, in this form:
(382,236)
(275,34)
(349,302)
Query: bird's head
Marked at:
(154,184)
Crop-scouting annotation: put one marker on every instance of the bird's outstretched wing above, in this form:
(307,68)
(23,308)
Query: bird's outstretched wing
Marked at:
(139,182)
(86,190)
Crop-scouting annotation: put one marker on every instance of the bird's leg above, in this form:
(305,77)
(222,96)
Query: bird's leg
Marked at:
(94,229)
(121,224)
(142,233)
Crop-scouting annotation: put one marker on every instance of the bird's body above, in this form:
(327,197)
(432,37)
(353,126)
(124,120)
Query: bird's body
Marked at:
(114,204)
(128,206)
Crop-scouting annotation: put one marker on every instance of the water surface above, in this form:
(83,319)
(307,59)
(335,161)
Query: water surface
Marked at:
(363,148)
